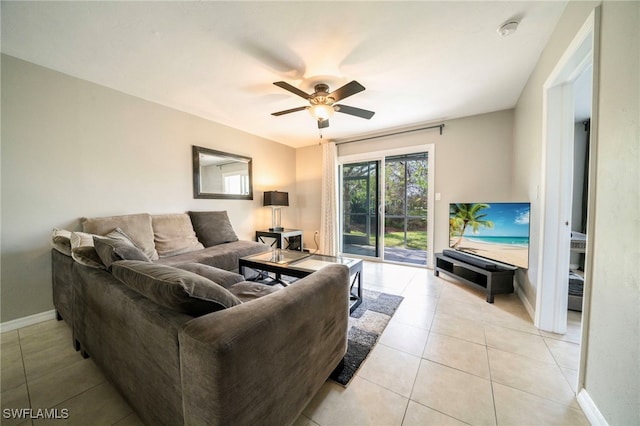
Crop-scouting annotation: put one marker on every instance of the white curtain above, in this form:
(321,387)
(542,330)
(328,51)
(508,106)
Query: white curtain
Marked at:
(329,204)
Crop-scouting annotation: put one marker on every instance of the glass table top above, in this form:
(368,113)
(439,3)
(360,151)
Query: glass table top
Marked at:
(299,260)
(278,256)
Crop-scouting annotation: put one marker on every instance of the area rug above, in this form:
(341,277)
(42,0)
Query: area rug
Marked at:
(366,324)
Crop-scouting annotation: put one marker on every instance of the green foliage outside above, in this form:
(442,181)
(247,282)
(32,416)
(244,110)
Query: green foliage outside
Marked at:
(416,240)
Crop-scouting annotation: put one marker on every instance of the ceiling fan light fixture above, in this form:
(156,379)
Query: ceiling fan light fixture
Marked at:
(321,111)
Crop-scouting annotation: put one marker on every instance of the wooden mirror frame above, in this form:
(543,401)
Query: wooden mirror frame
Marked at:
(199,192)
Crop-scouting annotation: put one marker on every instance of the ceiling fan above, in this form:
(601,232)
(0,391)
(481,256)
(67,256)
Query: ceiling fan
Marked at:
(323,103)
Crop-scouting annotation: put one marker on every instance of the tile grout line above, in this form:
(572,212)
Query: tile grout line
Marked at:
(560,367)
(24,370)
(547,400)
(493,394)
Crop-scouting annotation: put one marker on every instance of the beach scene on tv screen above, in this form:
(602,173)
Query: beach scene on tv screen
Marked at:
(498,231)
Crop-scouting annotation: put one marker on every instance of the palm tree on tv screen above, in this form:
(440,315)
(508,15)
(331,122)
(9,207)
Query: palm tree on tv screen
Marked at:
(462,216)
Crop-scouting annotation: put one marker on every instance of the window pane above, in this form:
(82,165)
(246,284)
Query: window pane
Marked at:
(394,187)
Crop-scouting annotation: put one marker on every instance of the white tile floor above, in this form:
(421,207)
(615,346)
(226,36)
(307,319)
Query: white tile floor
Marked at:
(446,358)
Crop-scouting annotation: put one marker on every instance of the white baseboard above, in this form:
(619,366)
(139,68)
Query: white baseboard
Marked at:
(590,410)
(526,303)
(25,321)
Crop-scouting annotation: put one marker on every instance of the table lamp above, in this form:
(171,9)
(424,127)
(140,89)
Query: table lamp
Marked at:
(276,200)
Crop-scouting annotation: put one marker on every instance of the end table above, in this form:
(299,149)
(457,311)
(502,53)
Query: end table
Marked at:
(288,239)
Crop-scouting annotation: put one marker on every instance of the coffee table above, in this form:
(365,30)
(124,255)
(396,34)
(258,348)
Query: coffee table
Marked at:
(300,264)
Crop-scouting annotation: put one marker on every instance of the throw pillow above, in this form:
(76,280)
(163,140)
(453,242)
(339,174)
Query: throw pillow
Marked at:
(219,276)
(213,228)
(61,240)
(174,288)
(83,251)
(116,246)
(137,226)
(173,234)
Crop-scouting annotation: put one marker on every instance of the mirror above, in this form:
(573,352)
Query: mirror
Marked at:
(218,174)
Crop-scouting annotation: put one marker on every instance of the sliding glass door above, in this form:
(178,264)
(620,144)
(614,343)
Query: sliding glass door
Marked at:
(384,201)
(360,185)
(405,208)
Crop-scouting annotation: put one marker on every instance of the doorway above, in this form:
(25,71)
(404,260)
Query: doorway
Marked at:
(384,205)
(556,192)
(559,117)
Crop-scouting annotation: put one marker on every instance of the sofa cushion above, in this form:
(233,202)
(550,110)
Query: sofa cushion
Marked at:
(117,246)
(223,256)
(219,276)
(213,228)
(83,251)
(173,288)
(173,234)
(247,291)
(137,226)
(61,241)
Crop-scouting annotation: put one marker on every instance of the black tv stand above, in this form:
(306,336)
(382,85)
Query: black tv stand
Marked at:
(485,275)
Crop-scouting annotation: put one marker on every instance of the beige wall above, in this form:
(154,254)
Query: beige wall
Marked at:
(472,164)
(612,373)
(309,190)
(71,148)
(614,335)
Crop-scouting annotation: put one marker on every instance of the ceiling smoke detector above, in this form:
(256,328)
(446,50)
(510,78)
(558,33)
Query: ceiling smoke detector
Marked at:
(508,28)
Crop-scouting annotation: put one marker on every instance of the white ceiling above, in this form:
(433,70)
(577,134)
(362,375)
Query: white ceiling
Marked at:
(420,61)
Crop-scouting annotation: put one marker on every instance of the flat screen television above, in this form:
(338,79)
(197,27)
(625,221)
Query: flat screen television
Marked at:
(495,231)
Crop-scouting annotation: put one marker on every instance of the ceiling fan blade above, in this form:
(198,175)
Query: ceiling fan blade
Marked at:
(358,112)
(287,111)
(292,89)
(323,124)
(347,90)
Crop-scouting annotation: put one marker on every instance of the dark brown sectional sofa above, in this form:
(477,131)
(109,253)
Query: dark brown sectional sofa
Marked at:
(183,337)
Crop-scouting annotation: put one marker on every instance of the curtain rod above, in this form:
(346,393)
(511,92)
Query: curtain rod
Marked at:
(440,126)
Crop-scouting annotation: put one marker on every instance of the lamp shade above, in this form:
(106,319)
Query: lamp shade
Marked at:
(276,198)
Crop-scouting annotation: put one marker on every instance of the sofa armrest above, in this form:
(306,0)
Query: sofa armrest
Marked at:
(263,361)
(61,279)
